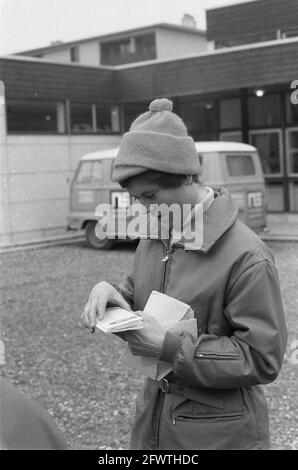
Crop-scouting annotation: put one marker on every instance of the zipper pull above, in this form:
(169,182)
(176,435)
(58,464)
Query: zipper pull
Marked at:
(167,255)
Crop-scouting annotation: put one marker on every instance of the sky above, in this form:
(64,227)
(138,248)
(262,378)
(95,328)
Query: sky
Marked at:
(28,24)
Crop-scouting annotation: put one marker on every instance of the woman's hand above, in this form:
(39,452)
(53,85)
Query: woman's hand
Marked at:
(147,341)
(101,294)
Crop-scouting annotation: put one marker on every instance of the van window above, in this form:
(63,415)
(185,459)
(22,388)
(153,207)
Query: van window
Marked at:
(240,165)
(89,172)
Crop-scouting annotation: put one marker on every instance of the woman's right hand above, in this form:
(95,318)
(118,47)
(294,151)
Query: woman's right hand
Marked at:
(101,294)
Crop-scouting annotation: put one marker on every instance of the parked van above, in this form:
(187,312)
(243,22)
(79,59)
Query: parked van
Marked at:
(233,165)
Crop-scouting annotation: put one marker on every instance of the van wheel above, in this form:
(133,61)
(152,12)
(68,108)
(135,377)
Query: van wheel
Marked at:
(93,241)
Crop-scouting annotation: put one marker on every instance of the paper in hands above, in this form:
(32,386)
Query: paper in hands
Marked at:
(174,316)
(118,319)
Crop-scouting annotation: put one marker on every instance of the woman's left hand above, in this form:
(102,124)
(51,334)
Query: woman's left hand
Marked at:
(147,341)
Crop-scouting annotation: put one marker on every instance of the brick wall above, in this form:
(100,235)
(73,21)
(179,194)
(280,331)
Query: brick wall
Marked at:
(27,79)
(232,69)
(250,19)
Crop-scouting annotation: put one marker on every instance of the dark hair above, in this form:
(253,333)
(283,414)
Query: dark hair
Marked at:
(161,178)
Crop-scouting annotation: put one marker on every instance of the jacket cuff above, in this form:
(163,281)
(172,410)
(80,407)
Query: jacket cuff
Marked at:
(171,345)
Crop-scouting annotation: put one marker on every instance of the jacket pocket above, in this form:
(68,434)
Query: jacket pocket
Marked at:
(208,417)
(211,355)
(212,404)
(190,425)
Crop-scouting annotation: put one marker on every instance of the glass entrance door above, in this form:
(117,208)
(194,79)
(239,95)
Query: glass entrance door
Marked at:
(269,144)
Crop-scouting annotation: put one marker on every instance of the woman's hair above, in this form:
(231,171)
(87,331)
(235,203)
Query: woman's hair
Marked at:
(162,179)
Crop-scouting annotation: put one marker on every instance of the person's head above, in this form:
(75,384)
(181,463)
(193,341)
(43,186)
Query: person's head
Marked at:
(157,160)
(156,187)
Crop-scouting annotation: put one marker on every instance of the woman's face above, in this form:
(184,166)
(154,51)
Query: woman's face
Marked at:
(150,193)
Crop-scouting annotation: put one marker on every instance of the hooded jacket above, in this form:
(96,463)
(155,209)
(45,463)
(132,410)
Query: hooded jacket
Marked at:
(213,398)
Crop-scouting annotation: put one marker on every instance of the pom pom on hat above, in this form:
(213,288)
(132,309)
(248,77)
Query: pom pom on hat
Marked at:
(161,105)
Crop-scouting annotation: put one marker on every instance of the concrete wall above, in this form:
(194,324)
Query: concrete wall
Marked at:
(62,56)
(172,44)
(35,180)
(89,54)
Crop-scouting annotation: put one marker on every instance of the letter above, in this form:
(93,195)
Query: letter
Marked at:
(137,226)
(128,459)
(161,459)
(105,226)
(195,233)
(177,459)
(121,218)
(101,461)
(163,212)
(294,95)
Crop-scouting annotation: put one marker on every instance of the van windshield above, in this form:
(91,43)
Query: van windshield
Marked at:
(240,165)
(89,172)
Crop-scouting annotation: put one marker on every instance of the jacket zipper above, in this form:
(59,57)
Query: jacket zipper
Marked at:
(190,418)
(205,355)
(166,257)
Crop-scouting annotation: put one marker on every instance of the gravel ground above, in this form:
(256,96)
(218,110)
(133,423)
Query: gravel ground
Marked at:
(77,376)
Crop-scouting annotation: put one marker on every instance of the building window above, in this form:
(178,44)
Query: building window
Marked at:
(115,118)
(145,44)
(107,118)
(200,118)
(268,144)
(35,117)
(74,54)
(132,49)
(275,196)
(230,114)
(292,111)
(81,118)
(94,118)
(264,111)
(293,150)
(131,111)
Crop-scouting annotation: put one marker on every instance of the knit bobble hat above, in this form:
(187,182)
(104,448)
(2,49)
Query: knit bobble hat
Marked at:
(156,140)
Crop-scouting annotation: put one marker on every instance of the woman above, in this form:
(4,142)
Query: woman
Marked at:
(213,398)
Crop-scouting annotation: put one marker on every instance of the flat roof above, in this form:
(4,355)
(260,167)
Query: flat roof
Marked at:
(231,3)
(25,58)
(116,35)
(202,147)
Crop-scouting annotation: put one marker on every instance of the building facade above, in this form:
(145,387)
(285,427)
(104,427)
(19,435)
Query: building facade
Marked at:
(241,90)
(160,41)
